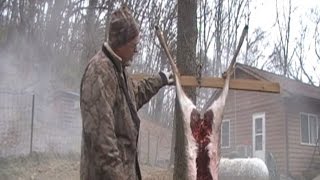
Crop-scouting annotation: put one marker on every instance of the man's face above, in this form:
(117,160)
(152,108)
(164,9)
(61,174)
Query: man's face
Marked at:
(128,50)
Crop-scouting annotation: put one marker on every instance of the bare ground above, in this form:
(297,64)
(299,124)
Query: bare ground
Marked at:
(59,167)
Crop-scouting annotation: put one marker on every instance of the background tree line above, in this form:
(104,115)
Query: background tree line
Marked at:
(49,42)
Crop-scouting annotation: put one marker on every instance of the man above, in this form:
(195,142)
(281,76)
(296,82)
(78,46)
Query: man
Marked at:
(109,102)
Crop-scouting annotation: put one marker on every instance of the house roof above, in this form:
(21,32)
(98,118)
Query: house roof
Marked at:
(288,87)
(67,93)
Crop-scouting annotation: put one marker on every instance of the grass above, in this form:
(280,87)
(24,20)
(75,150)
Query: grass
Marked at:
(51,166)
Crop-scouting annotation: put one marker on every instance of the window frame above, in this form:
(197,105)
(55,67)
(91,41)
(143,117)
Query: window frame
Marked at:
(308,120)
(256,116)
(229,133)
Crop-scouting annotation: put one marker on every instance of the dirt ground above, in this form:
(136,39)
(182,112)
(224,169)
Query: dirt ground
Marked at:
(58,167)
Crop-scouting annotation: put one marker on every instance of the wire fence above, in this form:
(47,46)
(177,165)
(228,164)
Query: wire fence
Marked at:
(154,149)
(15,123)
(33,123)
(30,123)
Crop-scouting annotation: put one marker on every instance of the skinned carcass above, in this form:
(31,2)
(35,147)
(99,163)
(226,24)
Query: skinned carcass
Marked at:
(202,134)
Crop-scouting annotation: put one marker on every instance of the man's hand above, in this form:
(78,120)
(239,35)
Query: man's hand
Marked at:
(167,77)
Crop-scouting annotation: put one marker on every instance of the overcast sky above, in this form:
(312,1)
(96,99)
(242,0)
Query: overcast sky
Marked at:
(263,14)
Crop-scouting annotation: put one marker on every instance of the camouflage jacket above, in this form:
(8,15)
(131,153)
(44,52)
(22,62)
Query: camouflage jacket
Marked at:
(109,134)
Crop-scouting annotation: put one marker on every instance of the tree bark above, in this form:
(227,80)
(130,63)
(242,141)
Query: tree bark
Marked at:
(88,46)
(186,55)
(218,32)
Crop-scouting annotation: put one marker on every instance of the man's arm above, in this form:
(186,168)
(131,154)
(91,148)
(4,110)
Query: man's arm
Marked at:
(146,88)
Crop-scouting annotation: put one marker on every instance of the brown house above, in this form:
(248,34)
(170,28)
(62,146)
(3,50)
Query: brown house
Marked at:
(284,125)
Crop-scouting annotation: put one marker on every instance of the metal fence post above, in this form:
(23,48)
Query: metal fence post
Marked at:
(148,159)
(157,147)
(32,118)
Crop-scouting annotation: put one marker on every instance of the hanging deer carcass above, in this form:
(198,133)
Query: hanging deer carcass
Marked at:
(202,134)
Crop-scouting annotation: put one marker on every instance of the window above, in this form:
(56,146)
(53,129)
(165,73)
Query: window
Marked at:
(258,134)
(225,134)
(309,128)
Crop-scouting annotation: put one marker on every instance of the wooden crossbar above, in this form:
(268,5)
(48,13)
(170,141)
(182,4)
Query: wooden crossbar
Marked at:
(236,84)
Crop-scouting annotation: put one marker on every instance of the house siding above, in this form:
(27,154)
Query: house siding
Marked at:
(299,155)
(240,107)
(282,115)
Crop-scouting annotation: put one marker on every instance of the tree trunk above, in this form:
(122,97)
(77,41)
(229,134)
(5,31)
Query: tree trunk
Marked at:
(219,24)
(110,6)
(12,30)
(186,55)
(88,46)
(31,20)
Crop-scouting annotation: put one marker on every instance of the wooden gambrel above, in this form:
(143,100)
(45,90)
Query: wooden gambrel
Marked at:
(235,84)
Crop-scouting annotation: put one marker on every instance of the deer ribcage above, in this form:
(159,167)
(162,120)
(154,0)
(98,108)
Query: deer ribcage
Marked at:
(201,131)
(203,134)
